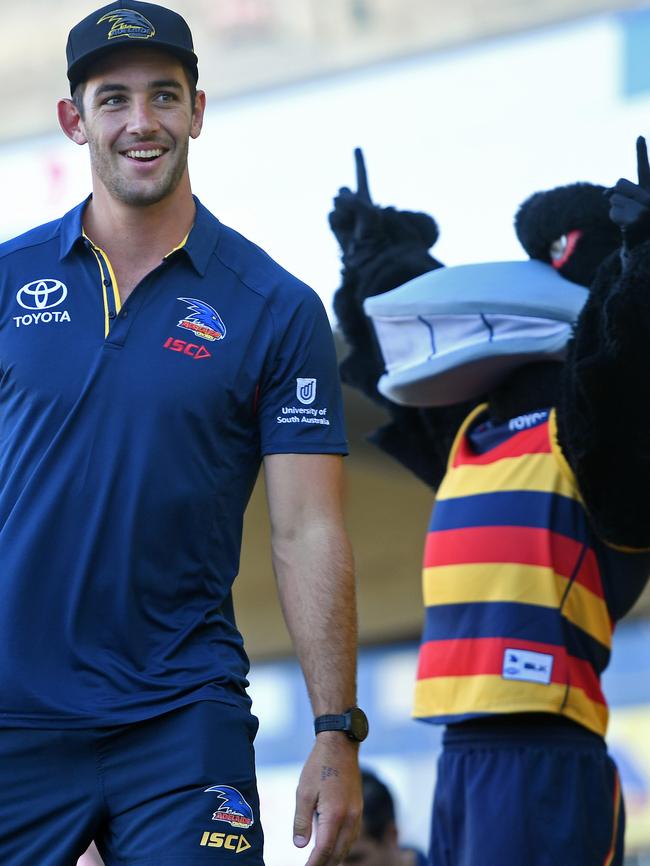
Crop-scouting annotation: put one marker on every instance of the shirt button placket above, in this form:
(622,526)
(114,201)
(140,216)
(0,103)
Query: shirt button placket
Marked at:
(110,299)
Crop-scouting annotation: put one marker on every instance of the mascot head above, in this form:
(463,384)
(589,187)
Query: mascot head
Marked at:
(568,228)
(454,334)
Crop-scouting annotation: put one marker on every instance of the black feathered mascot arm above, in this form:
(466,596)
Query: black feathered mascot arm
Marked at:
(382,248)
(604,410)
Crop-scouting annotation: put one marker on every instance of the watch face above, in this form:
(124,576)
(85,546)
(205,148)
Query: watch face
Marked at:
(358,724)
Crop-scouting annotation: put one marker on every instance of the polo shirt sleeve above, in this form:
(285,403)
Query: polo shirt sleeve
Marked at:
(299,405)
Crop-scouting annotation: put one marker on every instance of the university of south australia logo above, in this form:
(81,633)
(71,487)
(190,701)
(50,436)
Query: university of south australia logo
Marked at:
(306,390)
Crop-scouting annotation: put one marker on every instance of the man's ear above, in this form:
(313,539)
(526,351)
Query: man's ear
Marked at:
(197,114)
(70,121)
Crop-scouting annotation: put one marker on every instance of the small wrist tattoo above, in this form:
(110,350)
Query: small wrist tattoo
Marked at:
(327,773)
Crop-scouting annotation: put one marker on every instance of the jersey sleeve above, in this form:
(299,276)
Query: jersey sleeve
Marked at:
(299,407)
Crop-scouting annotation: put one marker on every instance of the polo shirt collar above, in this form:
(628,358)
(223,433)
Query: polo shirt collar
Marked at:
(71,230)
(198,247)
(202,238)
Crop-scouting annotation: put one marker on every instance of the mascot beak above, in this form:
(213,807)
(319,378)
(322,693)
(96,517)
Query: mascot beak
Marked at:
(453,334)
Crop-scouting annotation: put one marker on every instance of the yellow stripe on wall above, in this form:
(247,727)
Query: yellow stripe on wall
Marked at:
(518,583)
(491,694)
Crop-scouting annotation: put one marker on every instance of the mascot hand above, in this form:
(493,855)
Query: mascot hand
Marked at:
(630,202)
(355,220)
(382,248)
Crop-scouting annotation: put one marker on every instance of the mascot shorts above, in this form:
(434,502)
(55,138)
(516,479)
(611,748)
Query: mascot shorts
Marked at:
(176,789)
(526,795)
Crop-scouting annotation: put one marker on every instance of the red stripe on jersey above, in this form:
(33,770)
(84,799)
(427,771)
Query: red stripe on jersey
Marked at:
(484,656)
(513,544)
(532,441)
(583,676)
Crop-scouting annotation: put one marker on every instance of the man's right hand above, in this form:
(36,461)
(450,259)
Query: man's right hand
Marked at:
(630,202)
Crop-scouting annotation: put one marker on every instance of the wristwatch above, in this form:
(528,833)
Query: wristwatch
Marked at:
(353,722)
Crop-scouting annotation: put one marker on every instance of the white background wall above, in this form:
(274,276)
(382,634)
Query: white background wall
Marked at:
(466,136)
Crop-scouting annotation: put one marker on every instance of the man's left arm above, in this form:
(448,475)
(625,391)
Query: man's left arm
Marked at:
(312,560)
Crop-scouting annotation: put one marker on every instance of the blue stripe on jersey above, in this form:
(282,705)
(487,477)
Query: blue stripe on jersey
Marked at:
(529,508)
(499,619)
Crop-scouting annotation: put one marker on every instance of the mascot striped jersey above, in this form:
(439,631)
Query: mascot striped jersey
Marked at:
(517,588)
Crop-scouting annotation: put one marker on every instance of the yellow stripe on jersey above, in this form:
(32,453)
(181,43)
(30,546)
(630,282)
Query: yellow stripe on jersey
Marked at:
(538,473)
(562,462)
(178,246)
(104,296)
(104,262)
(518,583)
(116,292)
(462,430)
(491,694)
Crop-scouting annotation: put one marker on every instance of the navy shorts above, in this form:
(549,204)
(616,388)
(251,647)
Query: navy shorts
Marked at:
(529,795)
(178,789)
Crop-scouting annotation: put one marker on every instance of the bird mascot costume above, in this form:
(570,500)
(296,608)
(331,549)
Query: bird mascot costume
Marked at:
(519,392)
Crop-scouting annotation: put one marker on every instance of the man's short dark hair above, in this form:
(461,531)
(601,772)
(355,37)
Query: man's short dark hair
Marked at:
(78,98)
(378,806)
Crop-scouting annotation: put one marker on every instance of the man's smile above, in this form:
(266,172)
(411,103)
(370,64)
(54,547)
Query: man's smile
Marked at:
(144,154)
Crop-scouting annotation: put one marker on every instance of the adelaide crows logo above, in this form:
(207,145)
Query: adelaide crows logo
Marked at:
(203,320)
(232,809)
(126,22)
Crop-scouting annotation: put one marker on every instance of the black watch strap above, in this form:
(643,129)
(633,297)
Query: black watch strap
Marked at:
(353,723)
(330,723)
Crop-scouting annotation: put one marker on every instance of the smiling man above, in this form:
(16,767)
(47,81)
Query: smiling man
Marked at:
(150,360)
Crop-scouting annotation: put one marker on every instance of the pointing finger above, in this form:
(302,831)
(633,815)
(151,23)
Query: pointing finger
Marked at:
(643,167)
(362,178)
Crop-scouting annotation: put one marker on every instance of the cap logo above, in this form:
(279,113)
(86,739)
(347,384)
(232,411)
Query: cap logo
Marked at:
(127,22)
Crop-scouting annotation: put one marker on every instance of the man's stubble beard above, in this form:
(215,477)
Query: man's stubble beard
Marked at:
(133,193)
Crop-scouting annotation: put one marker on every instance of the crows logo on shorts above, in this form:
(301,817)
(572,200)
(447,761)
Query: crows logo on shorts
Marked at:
(232,809)
(203,320)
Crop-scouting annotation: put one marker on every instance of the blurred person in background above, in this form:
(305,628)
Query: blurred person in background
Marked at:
(379,843)
(152,358)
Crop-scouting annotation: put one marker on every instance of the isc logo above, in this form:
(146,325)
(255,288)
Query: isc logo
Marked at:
(190,349)
(220,840)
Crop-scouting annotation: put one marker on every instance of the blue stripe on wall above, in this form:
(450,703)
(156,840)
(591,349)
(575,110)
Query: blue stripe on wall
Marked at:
(635,32)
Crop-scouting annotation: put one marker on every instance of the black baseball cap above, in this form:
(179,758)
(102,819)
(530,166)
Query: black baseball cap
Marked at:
(128,23)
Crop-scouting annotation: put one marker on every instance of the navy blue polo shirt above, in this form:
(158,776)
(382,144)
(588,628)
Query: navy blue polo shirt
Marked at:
(130,441)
